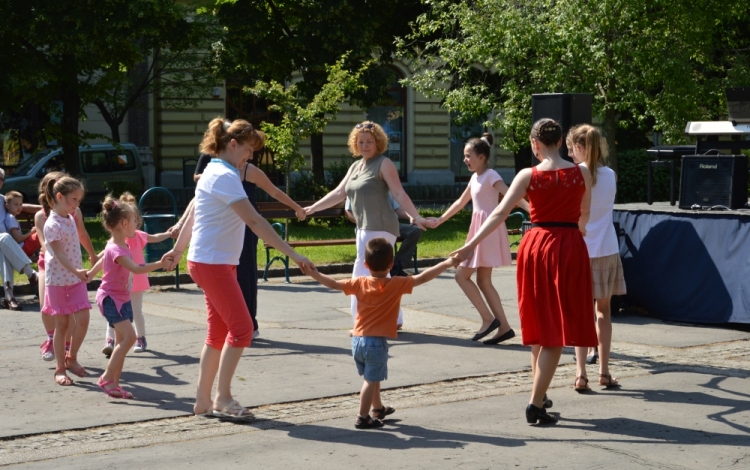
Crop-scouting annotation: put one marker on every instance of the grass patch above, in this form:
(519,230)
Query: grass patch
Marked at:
(435,243)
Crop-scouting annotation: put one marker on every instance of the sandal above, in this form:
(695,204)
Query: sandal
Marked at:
(585,387)
(61,377)
(114,392)
(383,412)
(611,381)
(367,423)
(12,304)
(234,411)
(76,369)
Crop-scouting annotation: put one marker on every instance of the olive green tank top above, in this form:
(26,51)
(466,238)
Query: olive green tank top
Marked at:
(368,193)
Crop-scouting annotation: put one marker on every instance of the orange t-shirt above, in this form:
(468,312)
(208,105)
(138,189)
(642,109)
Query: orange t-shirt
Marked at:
(378,301)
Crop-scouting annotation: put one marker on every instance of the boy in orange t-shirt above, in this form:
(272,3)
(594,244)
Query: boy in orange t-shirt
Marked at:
(378,302)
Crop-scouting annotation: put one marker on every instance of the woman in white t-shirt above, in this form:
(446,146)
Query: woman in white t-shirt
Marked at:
(216,224)
(584,145)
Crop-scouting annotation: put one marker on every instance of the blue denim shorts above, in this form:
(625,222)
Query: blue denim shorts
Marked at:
(109,310)
(371,356)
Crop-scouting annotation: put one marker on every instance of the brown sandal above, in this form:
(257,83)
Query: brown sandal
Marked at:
(12,304)
(61,377)
(583,389)
(77,370)
(611,381)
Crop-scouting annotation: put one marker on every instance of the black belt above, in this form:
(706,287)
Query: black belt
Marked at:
(554,224)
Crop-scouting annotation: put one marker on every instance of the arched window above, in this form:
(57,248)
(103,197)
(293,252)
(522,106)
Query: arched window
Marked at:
(391,114)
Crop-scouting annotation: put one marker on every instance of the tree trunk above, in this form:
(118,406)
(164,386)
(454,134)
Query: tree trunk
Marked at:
(610,129)
(70,138)
(316,148)
(112,121)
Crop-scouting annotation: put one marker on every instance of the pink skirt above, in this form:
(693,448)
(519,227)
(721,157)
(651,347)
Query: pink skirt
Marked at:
(491,252)
(64,300)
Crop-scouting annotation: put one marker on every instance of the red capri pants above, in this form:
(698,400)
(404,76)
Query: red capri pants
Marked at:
(228,318)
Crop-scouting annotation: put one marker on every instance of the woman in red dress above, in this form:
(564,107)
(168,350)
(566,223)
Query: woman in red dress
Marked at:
(553,276)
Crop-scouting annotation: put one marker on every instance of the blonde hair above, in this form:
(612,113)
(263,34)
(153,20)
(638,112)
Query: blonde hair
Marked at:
(588,137)
(221,131)
(115,211)
(377,132)
(12,194)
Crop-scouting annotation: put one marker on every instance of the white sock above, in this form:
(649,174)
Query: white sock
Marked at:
(27,271)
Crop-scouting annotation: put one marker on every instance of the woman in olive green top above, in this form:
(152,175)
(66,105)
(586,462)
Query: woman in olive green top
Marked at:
(367,184)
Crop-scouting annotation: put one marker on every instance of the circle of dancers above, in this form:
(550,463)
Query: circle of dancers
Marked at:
(568,264)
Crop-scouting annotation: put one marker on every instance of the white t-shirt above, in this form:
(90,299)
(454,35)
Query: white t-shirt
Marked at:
(11,223)
(218,232)
(601,239)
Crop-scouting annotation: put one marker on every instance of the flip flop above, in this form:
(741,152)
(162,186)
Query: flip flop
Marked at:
(234,412)
(114,392)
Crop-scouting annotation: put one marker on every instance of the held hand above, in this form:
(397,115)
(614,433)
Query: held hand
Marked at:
(464,253)
(175,231)
(173,258)
(420,222)
(301,213)
(309,210)
(33,230)
(83,275)
(303,262)
(166,262)
(89,276)
(454,261)
(433,222)
(307,270)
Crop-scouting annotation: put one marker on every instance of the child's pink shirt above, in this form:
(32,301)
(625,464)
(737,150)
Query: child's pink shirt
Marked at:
(64,230)
(137,244)
(116,279)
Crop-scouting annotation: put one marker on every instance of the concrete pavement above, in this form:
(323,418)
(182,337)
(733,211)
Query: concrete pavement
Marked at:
(684,403)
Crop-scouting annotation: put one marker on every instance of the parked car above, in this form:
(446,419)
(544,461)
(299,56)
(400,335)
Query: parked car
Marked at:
(100,163)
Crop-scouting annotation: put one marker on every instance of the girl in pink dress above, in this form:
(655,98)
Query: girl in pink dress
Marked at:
(483,191)
(113,296)
(137,243)
(65,295)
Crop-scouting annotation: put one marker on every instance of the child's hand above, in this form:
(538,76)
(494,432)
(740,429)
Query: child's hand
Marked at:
(175,231)
(433,222)
(308,210)
(301,214)
(33,230)
(166,262)
(83,275)
(454,261)
(307,270)
(464,253)
(303,262)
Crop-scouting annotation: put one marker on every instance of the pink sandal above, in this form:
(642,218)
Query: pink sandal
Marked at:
(115,392)
(79,370)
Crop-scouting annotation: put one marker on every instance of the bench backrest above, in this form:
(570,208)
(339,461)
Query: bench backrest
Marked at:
(278,210)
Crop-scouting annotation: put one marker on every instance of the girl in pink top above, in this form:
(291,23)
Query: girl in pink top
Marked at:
(113,296)
(140,282)
(483,192)
(65,294)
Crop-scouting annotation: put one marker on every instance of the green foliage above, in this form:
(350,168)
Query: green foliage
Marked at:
(303,118)
(119,187)
(632,178)
(336,172)
(650,64)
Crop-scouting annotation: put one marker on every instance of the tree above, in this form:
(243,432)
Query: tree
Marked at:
(67,54)
(648,63)
(301,117)
(277,39)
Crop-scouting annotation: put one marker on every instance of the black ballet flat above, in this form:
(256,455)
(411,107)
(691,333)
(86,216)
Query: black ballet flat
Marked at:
(504,337)
(534,414)
(493,326)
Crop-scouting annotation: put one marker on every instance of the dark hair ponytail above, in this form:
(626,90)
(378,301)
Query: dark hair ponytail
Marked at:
(482,145)
(547,131)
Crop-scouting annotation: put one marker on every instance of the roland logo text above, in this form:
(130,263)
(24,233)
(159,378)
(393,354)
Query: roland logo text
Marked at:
(704,166)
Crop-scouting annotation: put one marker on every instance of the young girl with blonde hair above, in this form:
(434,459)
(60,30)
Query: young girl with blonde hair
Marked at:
(585,146)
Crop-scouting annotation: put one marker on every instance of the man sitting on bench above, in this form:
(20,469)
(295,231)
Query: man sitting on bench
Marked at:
(409,234)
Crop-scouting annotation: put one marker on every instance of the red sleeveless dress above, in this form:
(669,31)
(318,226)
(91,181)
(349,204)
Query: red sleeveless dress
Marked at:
(555,298)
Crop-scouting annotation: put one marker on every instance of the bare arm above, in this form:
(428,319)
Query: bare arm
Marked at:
(515,193)
(197,177)
(327,281)
(84,238)
(334,197)
(39,219)
(503,188)
(263,229)
(97,267)
(459,204)
(390,175)
(18,236)
(159,237)
(31,208)
(257,177)
(177,228)
(586,201)
(434,271)
(59,250)
(134,268)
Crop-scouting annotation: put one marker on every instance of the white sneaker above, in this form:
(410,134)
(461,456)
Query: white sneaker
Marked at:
(109,346)
(48,352)
(140,345)
(256,333)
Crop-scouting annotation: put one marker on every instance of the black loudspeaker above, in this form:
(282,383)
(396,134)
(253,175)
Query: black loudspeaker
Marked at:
(569,109)
(708,181)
